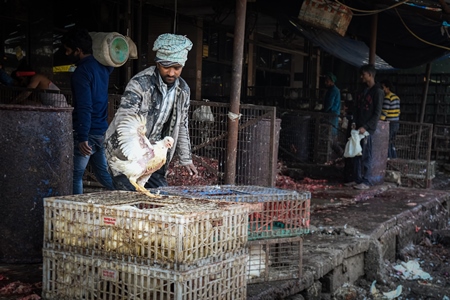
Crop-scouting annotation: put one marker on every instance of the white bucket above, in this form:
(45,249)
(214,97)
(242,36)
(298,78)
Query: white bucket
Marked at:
(110,48)
(133,48)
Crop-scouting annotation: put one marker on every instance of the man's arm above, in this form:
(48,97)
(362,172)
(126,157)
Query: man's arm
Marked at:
(184,143)
(81,88)
(34,83)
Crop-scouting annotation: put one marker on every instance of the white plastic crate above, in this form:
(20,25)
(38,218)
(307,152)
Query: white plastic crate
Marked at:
(173,232)
(284,213)
(275,259)
(68,276)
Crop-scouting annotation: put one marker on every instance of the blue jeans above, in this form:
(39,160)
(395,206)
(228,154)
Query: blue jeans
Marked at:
(98,163)
(363,164)
(394,126)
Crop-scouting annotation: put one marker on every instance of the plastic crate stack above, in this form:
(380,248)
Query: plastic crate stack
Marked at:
(276,226)
(126,245)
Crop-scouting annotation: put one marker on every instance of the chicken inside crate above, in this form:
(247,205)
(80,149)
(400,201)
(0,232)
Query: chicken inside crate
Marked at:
(69,276)
(414,172)
(275,259)
(174,232)
(281,213)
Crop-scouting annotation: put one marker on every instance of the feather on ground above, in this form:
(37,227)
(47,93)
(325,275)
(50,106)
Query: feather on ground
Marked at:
(142,158)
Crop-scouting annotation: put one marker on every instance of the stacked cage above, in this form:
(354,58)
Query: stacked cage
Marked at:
(276,225)
(414,172)
(324,143)
(126,245)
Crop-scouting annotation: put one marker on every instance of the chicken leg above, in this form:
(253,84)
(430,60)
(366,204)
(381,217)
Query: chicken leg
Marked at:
(141,189)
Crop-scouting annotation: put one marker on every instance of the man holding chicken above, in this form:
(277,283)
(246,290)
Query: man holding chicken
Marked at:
(160,95)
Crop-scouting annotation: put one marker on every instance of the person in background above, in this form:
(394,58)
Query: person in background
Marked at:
(332,101)
(89,84)
(26,77)
(332,105)
(390,111)
(163,97)
(367,111)
(5,78)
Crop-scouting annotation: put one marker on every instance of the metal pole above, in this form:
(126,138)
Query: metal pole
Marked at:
(129,33)
(139,36)
(422,116)
(273,144)
(373,39)
(425,92)
(236,81)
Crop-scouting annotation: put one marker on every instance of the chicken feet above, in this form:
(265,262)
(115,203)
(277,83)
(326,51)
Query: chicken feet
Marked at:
(142,189)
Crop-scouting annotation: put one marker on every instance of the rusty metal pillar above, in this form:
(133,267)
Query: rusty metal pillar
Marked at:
(373,39)
(138,35)
(235,94)
(129,17)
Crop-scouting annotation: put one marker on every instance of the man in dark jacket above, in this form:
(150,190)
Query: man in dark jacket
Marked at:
(367,111)
(89,85)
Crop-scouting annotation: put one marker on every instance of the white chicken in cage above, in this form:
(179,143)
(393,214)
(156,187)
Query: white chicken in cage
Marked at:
(256,262)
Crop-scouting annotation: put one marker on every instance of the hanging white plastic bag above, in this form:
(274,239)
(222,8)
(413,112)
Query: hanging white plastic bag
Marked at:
(353,147)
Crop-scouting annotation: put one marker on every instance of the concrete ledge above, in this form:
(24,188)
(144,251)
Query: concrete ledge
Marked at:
(352,239)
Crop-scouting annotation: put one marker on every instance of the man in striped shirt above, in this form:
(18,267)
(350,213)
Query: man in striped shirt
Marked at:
(390,112)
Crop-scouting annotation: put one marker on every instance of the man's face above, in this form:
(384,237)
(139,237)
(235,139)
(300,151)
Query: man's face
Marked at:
(365,77)
(328,82)
(72,55)
(385,89)
(169,74)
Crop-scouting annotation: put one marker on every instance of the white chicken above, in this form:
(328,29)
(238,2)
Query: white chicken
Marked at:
(142,158)
(256,265)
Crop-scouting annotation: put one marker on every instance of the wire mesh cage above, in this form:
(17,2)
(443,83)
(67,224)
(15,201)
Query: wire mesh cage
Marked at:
(283,213)
(441,142)
(35,97)
(256,155)
(311,137)
(172,232)
(69,276)
(412,144)
(275,259)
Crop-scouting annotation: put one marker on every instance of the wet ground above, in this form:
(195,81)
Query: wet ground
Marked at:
(330,210)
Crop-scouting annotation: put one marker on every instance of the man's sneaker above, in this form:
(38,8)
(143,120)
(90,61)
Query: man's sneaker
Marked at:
(350,183)
(361,186)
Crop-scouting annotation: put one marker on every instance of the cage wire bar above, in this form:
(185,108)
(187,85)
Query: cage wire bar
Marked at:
(311,137)
(257,140)
(413,144)
(441,142)
(267,134)
(36,97)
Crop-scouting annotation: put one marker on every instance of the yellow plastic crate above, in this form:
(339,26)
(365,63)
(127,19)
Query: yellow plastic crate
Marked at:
(173,232)
(275,259)
(68,276)
(280,213)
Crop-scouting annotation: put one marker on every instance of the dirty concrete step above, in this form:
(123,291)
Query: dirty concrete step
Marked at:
(352,238)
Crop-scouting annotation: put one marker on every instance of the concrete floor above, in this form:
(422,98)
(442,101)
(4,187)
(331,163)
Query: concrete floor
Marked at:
(352,232)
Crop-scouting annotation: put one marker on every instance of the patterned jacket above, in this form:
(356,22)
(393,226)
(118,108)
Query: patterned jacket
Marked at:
(144,95)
